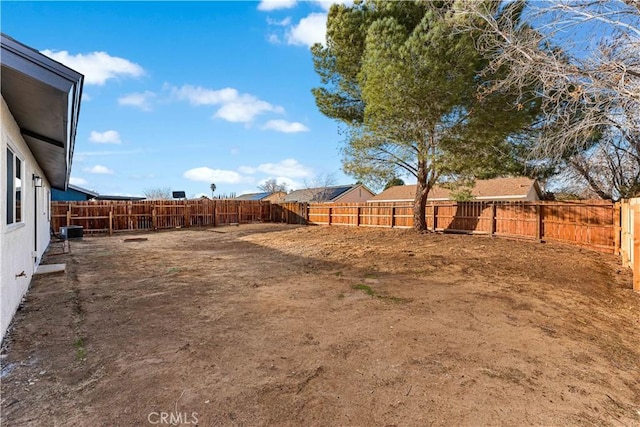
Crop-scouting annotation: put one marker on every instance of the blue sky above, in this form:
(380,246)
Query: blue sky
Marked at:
(182,94)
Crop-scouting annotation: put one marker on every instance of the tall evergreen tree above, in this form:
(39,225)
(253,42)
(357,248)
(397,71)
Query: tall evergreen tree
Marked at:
(405,83)
(393,182)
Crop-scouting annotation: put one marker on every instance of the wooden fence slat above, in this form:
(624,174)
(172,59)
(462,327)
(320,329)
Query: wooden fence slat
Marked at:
(636,248)
(617,221)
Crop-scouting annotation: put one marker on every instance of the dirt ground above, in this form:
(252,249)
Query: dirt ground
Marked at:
(280,325)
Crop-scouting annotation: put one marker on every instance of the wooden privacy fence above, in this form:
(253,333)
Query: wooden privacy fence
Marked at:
(590,224)
(630,237)
(593,224)
(116,216)
(290,213)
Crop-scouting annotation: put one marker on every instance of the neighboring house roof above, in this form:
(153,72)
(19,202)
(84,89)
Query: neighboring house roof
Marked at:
(321,194)
(318,194)
(90,195)
(130,198)
(82,190)
(73,193)
(253,196)
(44,99)
(266,196)
(487,189)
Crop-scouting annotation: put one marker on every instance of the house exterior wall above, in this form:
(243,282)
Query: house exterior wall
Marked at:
(532,195)
(20,249)
(356,195)
(277,197)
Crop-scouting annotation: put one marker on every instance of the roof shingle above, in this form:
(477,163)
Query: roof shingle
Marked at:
(505,188)
(253,196)
(320,194)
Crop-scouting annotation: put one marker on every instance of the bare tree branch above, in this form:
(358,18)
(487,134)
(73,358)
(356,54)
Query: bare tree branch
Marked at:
(590,93)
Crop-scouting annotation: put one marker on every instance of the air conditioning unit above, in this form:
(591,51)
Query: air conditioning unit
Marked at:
(71,232)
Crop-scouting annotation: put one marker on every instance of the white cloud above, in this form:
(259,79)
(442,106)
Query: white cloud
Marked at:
(326,4)
(218,176)
(99,169)
(248,170)
(245,108)
(274,39)
(311,29)
(289,168)
(234,106)
(266,5)
(107,137)
(281,23)
(97,67)
(277,34)
(197,95)
(141,100)
(77,181)
(86,97)
(285,126)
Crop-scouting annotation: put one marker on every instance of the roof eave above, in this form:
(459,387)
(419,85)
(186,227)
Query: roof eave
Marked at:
(31,80)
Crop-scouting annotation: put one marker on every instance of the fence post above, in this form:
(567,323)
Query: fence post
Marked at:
(435,217)
(111,222)
(186,216)
(538,222)
(393,216)
(69,214)
(624,240)
(617,228)
(358,216)
(239,213)
(636,248)
(492,231)
(154,219)
(330,209)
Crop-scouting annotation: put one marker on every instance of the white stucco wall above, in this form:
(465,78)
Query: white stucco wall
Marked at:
(17,241)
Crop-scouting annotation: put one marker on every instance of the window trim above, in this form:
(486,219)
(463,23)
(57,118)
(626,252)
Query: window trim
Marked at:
(11,185)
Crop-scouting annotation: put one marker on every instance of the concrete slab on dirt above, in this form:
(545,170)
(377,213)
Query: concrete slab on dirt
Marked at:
(50,268)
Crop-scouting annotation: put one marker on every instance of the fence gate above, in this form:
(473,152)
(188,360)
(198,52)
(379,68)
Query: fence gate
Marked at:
(630,238)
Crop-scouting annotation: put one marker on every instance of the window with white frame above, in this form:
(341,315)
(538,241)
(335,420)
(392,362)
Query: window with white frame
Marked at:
(14,187)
